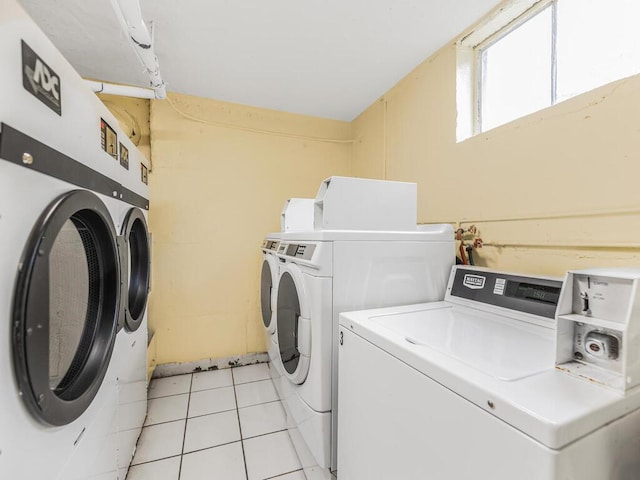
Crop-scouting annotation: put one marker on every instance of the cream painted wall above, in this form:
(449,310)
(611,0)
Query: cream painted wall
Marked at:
(549,192)
(218,184)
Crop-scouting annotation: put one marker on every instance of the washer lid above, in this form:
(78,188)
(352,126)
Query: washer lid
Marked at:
(66,308)
(294,324)
(499,369)
(490,344)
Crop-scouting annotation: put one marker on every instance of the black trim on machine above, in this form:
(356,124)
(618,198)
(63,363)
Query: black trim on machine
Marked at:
(288,308)
(137,271)
(536,296)
(21,149)
(30,330)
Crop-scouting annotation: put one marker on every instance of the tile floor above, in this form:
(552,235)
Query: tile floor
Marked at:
(226,424)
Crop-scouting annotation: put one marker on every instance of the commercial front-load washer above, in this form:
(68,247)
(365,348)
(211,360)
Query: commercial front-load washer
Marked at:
(475,387)
(268,288)
(296,215)
(323,273)
(61,194)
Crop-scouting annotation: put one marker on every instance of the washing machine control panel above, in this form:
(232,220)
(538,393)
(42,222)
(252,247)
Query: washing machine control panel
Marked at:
(298,250)
(271,245)
(533,295)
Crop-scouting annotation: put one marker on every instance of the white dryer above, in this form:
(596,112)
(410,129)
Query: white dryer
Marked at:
(268,288)
(131,342)
(467,387)
(61,193)
(323,273)
(296,215)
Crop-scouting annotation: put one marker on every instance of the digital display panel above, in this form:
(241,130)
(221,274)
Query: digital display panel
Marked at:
(291,250)
(531,291)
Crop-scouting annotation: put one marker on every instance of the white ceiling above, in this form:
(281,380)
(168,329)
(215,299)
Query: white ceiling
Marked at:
(327,58)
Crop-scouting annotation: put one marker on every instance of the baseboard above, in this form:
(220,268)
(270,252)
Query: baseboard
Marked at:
(171,369)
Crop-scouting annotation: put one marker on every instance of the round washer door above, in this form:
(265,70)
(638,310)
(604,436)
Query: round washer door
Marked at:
(66,307)
(136,266)
(268,299)
(294,324)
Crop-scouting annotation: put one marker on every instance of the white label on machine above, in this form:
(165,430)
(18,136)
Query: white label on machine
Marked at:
(473,281)
(498,288)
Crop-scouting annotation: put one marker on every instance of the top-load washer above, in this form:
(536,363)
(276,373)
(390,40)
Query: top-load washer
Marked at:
(61,191)
(509,377)
(323,273)
(296,215)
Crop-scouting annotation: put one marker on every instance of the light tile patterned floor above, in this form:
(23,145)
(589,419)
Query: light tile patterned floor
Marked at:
(224,424)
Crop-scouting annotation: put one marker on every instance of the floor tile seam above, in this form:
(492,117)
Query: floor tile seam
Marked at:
(188,418)
(286,473)
(244,457)
(256,404)
(170,395)
(171,420)
(184,433)
(213,413)
(211,447)
(182,419)
(156,460)
(211,388)
(252,381)
(191,390)
(264,434)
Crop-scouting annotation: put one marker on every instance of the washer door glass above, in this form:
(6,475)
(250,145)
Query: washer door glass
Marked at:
(136,268)
(266,287)
(288,317)
(73,269)
(66,305)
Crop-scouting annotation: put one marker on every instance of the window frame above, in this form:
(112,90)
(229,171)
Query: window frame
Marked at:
(498,34)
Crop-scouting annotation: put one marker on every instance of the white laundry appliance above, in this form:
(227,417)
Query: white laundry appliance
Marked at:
(323,273)
(61,193)
(268,287)
(131,342)
(296,215)
(474,386)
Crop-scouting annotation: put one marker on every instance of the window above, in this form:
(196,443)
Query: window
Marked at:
(529,56)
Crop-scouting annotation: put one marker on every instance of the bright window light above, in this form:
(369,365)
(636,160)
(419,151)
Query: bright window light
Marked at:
(598,42)
(516,72)
(553,51)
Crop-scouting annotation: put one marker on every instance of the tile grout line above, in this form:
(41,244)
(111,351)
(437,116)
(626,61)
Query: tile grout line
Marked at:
(199,416)
(212,413)
(286,473)
(154,461)
(237,408)
(214,446)
(184,435)
(235,395)
(205,389)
